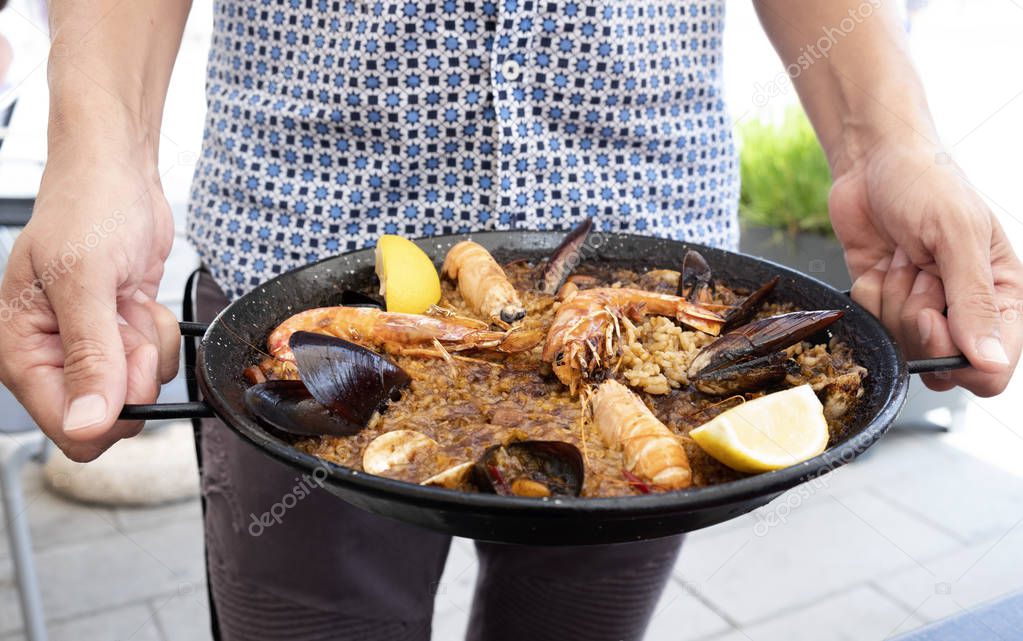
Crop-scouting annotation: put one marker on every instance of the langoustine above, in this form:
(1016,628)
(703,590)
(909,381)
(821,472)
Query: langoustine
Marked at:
(650,450)
(396,332)
(584,341)
(482,282)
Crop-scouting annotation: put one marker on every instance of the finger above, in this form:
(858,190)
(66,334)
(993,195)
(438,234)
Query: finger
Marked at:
(895,288)
(142,388)
(138,317)
(973,314)
(926,293)
(984,383)
(935,341)
(94,371)
(160,327)
(866,290)
(143,385)
(169,339)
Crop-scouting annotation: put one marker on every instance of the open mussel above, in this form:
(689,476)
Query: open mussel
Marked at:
(757,373)
(531,468)
(349,379)
(353,298)
(342,386)
(565,258)
(739,360)
(696,284)
(748,308)
(289,407)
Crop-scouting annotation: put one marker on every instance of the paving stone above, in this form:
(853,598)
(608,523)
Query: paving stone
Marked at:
(959,493)
(81,578)
(454,594)
(681,616)
(810,552)
(139,518)
(184,615)
(10,611)
(951,583)
(131,623)
(53,520)
(879,467)
(860,614)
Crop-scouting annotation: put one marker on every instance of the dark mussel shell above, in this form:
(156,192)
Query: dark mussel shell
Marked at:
(565,258)
(759,338)
(694,282)
(353,298)
(289,407)
(747,309)
(354,382)
(531,468)
(755,374)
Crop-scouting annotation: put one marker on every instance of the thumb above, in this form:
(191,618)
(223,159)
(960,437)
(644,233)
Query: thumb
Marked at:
(974,318)
(94,359)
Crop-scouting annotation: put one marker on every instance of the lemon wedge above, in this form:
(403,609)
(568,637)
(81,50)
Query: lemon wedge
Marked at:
(408,280)
(767,433)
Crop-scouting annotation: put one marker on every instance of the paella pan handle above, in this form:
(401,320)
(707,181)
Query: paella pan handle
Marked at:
(933,365)
(940,364)
(169,411)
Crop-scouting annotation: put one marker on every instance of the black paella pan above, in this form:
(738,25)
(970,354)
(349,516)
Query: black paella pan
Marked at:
(226,350)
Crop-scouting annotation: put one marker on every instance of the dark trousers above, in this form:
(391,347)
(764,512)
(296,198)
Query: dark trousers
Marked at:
(287,560)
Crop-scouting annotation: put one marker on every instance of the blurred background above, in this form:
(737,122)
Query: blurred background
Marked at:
(925,527)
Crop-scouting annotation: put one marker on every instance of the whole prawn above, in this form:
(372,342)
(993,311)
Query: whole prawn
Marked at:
(650,450)
(396,332)
(584,339)
(482,282)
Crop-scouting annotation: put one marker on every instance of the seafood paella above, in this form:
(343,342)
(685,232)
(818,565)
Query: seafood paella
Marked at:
(559,377)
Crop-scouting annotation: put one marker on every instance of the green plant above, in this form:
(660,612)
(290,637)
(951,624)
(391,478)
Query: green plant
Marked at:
(785,176)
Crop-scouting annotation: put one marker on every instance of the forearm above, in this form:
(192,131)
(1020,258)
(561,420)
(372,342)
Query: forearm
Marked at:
(849,63)
(109,67)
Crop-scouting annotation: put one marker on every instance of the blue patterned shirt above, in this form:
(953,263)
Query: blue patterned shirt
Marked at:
(332,122)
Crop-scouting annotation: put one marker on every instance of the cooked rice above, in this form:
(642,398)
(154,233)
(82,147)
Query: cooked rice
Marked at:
(657,359)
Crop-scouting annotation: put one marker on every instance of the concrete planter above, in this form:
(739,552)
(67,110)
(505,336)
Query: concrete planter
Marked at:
(821,257)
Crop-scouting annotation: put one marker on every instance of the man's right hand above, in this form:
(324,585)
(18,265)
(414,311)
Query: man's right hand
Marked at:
(80,331)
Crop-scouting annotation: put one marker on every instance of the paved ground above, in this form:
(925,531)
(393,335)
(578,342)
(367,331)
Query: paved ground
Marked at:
(924,527)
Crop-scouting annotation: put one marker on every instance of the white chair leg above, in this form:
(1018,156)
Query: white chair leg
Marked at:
(20,538)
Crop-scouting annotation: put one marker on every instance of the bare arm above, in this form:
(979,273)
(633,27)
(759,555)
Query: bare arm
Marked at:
(80,333)
(115,56)
(917,237)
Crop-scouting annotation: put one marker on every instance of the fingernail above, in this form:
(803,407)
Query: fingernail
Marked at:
(922,284)
(85,411)
(990,349)
(924,324)
(120,320)
(883,264)
(900,259)
(140,297)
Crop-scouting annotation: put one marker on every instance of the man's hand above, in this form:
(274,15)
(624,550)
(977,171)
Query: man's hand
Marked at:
(80,333)
(918,239)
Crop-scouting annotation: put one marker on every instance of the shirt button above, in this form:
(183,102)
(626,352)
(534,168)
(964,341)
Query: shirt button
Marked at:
(511,70)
